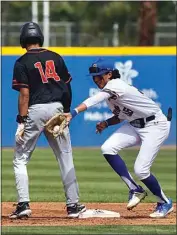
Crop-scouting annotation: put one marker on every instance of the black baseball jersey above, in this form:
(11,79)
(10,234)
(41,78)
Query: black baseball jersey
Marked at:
(45,74)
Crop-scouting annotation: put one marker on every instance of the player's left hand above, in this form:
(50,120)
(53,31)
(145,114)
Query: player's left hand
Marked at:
(19,133)
(100,126)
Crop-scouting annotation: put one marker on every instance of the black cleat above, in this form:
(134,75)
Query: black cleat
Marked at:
(74,210)
(22,211)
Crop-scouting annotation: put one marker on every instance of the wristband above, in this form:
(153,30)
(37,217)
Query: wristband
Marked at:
(106,123)
(74,112)
(21,119)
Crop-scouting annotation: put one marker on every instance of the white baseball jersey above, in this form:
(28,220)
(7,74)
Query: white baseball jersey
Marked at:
(125,101)
(128,102)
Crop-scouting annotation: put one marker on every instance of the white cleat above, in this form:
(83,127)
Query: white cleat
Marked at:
(135,197)
(162,209)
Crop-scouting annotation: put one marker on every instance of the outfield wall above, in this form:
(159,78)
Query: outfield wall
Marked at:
(152,70)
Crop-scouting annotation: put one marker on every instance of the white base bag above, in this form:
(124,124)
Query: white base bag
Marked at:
(99,214)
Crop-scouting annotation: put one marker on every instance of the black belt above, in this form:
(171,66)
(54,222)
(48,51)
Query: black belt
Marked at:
(140,122)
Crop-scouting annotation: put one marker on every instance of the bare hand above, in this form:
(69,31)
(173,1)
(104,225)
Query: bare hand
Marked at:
(100,126)
(68,117)
(19,133)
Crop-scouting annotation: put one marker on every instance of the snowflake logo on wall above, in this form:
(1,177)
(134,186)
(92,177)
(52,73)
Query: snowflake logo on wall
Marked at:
(126,71)
(127,74)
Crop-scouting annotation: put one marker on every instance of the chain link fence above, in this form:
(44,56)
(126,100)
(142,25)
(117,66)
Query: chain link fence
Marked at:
(65,34)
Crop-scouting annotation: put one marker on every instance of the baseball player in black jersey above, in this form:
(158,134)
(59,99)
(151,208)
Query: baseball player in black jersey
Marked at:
(43,82)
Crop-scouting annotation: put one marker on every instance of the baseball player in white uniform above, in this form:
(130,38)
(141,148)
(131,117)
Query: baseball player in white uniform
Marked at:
(143,123)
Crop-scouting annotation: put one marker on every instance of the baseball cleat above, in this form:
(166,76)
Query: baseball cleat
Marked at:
(162,209)
(22,211)
(74,210)
(135,197)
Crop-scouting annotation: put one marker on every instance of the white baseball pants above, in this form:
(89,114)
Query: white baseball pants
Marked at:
(151,138)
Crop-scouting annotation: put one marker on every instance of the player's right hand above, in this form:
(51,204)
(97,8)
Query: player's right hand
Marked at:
(19,133)
(100,126)
(68,117)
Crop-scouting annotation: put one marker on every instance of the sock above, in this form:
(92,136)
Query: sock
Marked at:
(153,185)
(120,168)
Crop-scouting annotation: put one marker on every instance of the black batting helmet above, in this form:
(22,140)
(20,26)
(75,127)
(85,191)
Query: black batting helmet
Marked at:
(31,33)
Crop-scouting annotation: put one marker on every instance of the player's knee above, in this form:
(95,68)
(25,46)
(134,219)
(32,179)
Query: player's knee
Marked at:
(108,149)
(20,160)
(141,172)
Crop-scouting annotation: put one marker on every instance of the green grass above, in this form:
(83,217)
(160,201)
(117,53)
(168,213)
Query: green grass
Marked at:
(97,183)
(109,229)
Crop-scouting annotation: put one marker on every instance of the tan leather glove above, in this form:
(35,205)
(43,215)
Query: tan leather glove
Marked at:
(56,125)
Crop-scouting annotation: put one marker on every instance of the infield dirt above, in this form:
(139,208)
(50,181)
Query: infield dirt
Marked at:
(54,214)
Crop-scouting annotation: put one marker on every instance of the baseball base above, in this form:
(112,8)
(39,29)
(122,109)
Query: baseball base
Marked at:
(99,214)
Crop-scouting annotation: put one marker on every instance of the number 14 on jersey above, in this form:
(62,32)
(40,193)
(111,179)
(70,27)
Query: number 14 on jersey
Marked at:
(50,72)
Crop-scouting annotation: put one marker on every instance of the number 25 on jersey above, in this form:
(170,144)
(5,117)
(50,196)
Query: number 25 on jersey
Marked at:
(50,72)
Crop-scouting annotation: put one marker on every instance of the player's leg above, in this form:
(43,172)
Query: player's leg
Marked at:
(152,139)
(22,156)
(124,137)
(62,149)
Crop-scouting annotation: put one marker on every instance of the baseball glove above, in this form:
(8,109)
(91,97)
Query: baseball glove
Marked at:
(56,125)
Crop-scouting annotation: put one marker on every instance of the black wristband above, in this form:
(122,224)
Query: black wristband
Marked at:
(109,121)
(21,119)
(106,121)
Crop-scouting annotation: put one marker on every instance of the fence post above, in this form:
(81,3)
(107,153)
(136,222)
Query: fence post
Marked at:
(34,11)
(115,39)
(46,13)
